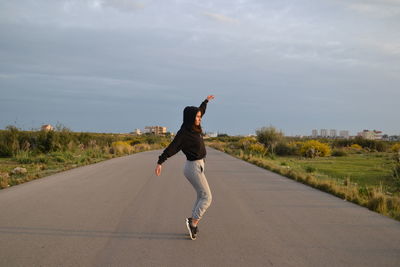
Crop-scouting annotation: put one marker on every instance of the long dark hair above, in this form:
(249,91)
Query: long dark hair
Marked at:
(197,128)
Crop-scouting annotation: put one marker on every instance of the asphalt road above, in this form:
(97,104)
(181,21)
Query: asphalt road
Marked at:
(118,213)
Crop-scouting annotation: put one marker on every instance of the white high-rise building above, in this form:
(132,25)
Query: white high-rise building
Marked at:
(344,134)
(324,133)
(332,133)
(314,133)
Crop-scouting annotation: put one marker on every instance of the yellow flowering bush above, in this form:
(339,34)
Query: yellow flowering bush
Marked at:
(245,142)
(395,147)
(141,147)
(314,148)
(257,148)
(356,147)
(121,147)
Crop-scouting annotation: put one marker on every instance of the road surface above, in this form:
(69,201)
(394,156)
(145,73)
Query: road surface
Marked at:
(118,213)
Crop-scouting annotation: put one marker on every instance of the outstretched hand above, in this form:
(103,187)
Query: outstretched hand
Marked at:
(210,97)
(158,170)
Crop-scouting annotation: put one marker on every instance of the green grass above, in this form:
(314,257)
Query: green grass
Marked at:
(46,152)
(39,165)
(361,177)
(364,169)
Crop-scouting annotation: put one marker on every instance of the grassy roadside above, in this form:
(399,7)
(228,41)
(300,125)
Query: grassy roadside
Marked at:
(29,155)
(41,165)
(340,176)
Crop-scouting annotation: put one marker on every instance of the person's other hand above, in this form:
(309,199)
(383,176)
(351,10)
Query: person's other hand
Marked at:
(210,97)
(158,170)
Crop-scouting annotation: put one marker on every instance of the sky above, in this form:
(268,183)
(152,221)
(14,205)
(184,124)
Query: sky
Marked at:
(118,65)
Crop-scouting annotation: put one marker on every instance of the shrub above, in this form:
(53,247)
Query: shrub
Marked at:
(339,153)
(313,148)
(4,179)
(153,139)
(396,170)
(41,159)
(5,150)
(288,149)
(395,147)
(218,145)
(227,139)
(84,138)
(65,137)
(9,144)
(381,146)
(120,148)
(310,169)
(134,142)
(356,147)
(342,143)
(269,137)
(370,144)
(141,147)
(245,142)
(57,156)
(257,149)
(24,157)
(93,153)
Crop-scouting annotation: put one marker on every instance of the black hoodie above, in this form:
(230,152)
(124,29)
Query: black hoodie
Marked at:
(186,139)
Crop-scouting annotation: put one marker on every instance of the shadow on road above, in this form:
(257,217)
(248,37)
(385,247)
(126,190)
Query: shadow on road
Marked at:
(91,233)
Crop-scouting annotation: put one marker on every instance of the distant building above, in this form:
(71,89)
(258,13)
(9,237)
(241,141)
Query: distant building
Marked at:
(136,132)
(211,134)
(344,134)
(157,130)
(378,135)
(371,135)
(394,138)
(47,127)
(332,133)
(314,133)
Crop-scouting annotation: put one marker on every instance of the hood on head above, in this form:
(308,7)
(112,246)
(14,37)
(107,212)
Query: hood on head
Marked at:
(189,115)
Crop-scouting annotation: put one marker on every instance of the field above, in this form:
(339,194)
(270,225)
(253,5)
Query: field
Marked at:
(372,169)
(362,176)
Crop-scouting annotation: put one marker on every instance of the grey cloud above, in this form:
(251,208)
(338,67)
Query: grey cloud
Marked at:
(220,17)
(91,67)
(375,8)
(123,5)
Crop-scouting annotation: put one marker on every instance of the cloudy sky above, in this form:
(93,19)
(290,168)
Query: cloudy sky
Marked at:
(117,65)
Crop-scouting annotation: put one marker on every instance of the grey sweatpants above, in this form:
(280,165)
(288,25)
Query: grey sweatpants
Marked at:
(194,172)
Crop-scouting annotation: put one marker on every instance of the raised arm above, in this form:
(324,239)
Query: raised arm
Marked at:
(203,105)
